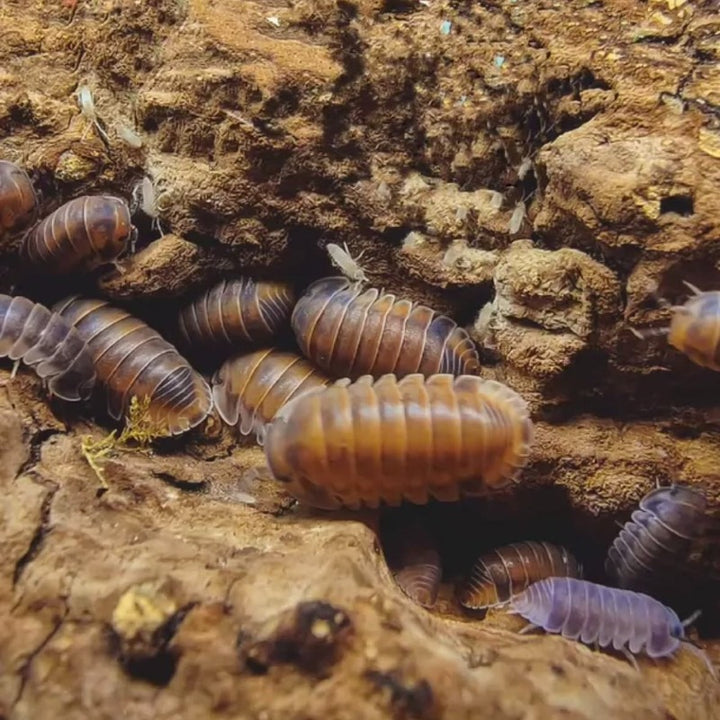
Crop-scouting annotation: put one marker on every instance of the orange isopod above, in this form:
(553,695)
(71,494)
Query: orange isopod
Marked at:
(253,387)
(18,201)
(500,574)
(133,360)
(366,442)
(80,235)
(349,332)
(695,328)
(235,312)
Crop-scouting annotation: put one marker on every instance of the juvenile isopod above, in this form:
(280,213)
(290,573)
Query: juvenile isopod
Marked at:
(349,332)
(18,201)
(591,613)
(657,539)
(80,235)
(132,359)
(346,263)
(46,342)
(390,440)
(234,313)
(253,387)
(506,571)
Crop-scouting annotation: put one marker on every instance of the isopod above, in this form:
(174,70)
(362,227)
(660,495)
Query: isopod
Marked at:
(346,263)
(420,566)
(350,333)
(18,201)
(390,440)
(253,387)
(504,572)
(131,359)
(234,313)
(46,342)
(657,538)
(80,235)
(582,610)
(695,328)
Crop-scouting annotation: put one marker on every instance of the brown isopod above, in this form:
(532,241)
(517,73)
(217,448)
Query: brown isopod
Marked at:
(500,574)
(391,440)
(416,559)
(133,360)
(236,312)
(46,342)
(350,332)
(18,201)
(252,388)
(80,235)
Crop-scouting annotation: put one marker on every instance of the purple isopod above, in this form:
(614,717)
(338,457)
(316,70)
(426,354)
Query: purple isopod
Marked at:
(658,538)
(46,342)
(592,613)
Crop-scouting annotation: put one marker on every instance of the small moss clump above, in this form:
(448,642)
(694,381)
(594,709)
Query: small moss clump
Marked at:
(139,432)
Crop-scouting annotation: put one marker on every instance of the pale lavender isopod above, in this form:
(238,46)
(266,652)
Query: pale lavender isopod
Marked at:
(582,610)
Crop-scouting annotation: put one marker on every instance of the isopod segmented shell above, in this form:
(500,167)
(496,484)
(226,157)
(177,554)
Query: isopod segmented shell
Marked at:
(234,313)
(391,440)
(252,388)
(133,360)
(506,571)
(695,328)
(46,342)
(349,332)
(585,611)
(656,541)
(420,566)
(80,235)
(18,201)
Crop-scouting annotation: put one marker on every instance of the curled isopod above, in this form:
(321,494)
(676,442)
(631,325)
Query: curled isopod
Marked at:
(49,344)
(418,562)
(81,235)
(591,613)
(253,387)
(18,201)
(391,440)
(234,313)
(349,332)
(133,360)
(506,571)
(656,541)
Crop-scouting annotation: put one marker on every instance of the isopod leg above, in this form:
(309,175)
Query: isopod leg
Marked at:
(15,367)
(528,628)
(631,659)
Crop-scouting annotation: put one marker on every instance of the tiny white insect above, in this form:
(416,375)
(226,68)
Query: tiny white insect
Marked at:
(517,217)
(496,199)
(144,197)
(343,260)
(524,168)
(129,136)
(88,111)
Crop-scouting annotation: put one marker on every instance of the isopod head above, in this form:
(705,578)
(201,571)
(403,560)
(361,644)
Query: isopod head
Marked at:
(18,201)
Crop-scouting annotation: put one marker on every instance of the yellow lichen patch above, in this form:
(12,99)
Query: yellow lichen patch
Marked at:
(141,610)
(709,142)
(139,432)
